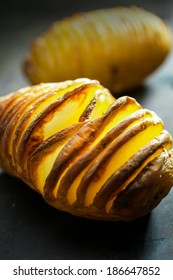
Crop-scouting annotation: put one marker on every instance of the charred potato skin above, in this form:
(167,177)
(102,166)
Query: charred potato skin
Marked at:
(83,150)
(118,46)
(144,193)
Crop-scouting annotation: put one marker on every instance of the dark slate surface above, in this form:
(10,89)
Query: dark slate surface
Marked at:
(31,229)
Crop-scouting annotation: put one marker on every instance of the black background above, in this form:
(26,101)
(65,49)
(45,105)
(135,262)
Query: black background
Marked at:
(31,229)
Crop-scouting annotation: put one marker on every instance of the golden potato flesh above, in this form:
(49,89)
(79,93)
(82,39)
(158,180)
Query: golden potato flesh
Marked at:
(84,151)
(118,46)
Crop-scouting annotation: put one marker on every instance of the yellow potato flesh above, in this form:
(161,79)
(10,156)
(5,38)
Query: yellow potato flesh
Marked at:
(71,110)
(42,106)
(120,157)
(104,100)
(122,113)
(77,105)
(117,160)
(45,165)
(38,109)
(119,115)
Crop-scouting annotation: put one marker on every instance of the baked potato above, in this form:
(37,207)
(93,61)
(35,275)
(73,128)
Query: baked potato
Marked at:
(84,151)
(118,46)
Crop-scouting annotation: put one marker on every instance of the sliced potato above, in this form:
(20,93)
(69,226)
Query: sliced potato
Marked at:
(118,46)
(84,151)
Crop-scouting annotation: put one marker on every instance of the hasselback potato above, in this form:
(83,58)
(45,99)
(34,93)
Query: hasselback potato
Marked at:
(84,151)
(118,46)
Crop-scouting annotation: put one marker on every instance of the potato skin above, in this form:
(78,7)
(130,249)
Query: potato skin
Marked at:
(118,46)
(112,160)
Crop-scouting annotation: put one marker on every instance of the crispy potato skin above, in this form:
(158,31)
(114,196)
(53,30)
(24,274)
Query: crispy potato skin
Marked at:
(118,46)
(84,151)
